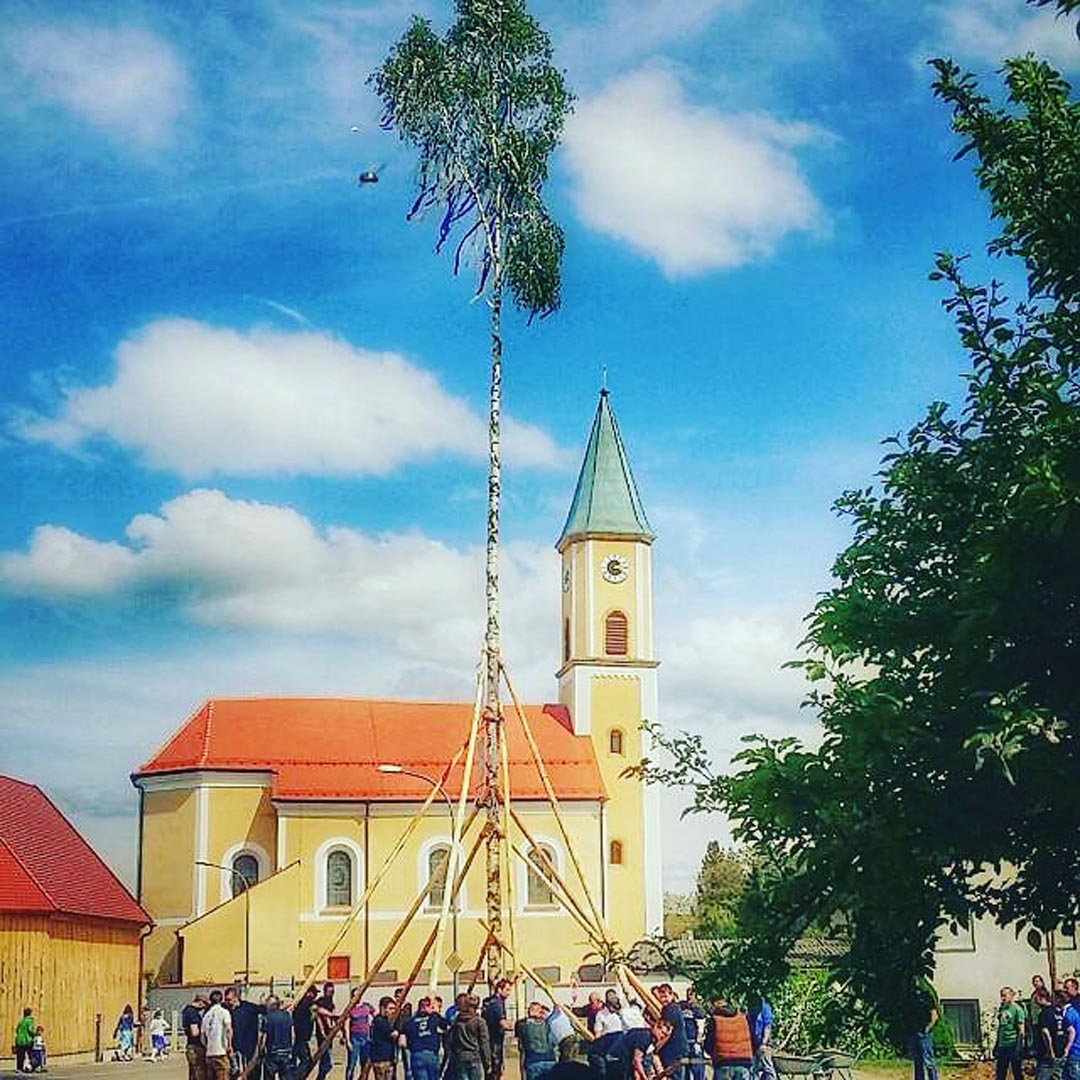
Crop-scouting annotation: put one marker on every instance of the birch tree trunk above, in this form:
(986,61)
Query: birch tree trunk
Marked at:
(492,707)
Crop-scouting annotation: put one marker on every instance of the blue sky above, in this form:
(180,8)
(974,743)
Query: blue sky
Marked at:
(243,401)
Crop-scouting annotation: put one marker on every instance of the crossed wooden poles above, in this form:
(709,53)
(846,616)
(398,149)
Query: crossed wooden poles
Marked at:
(455,869)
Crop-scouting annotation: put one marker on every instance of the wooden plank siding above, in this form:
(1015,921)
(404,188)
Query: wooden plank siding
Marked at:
(67,969)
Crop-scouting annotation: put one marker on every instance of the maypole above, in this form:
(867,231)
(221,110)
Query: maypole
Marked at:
(492,711)
(484,106)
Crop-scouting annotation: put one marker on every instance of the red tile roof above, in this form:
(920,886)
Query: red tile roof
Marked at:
(330,748)
(46,866)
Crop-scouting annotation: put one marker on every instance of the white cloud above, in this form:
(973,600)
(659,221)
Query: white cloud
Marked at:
(256,566)
(601,35)
(127,81)
(688,186)
(990,30)
(199,400)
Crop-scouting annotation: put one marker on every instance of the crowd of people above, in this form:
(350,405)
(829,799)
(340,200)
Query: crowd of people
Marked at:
(604,1039)
(1046,1027)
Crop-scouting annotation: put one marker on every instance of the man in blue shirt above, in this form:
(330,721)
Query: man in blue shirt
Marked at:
(760,1016)
(384,1039)
(1072,1058)
(694,1022)
(423,1034)
(675,1051)
(277,1038)
(498,1025)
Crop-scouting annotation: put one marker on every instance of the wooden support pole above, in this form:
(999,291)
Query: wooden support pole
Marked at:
(455,839)
(403,839)
(550,791)
(456,888)
(572,910)
(596,933)
(479,965)
(646,995)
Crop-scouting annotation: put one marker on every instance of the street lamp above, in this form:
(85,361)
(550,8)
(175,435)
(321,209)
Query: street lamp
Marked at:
(447,883)
(247,913)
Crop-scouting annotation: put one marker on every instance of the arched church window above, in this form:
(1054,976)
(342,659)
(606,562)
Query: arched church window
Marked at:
(339,879)
(566,640)
(615,853)
(616,634)
(539,892)
(438,862)
(615,742)
(245,872)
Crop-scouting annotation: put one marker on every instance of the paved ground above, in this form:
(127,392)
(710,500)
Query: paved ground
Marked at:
(85,1068)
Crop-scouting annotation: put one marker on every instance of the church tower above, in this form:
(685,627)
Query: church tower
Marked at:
(608,674)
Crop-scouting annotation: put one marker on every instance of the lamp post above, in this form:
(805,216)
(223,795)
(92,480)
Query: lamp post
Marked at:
(247,913)
(447,883)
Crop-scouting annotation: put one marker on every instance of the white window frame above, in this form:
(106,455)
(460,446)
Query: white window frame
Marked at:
(422,858)
(555,854)
(322,855)
(247,847)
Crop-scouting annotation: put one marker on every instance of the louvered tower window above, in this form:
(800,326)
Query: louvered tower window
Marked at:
(616,634)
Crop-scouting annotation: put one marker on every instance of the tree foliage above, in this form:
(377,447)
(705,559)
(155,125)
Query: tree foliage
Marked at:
(945,660)
(484,107)
(721,882)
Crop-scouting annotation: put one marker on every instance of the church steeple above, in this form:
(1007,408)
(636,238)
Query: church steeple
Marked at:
(608,675)
(606,574)
(606,501)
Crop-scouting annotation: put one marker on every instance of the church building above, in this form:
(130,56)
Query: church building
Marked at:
(263,819)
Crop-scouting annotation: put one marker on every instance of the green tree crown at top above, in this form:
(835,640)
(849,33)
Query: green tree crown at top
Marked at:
(484,106)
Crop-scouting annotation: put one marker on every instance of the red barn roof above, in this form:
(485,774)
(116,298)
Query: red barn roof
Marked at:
(46,866)
(330,748)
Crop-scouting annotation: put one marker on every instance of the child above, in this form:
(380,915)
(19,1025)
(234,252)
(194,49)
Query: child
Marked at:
(37,1051)
(157,1029)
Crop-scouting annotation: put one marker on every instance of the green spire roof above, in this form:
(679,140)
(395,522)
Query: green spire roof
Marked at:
(605,500)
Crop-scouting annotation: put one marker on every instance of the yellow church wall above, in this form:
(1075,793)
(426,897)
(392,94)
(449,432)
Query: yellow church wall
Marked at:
(616,703)
(291,925)
(239,817)
(167,874)
(168,852)
(214,944)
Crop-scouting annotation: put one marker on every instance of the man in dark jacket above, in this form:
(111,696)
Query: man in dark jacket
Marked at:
(470,1046)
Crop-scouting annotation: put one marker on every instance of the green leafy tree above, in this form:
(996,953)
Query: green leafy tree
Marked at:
(721,883)
(484,107)
(945,660)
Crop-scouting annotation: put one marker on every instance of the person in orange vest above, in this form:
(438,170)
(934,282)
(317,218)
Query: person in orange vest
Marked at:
(727,1042)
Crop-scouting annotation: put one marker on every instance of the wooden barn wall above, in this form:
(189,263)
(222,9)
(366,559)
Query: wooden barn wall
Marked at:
(66,970)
